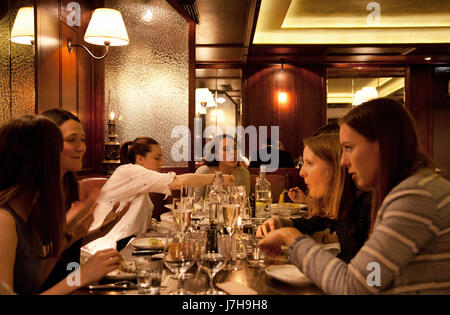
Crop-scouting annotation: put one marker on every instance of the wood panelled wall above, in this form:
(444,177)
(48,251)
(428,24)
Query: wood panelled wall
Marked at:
(71,81)
(302,113)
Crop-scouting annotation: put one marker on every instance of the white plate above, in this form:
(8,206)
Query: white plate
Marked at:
(149,243)
(296,208)
(166,217)
(120,275)
(288,274)
(158,256)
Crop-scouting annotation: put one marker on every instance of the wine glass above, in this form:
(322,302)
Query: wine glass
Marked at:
(179,258)
(212,263)
(231,213)
(187,196)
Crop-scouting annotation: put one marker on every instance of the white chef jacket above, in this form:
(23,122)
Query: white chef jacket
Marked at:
(128,182)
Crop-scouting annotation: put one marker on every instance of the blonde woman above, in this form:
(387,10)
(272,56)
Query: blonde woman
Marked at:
(337,211)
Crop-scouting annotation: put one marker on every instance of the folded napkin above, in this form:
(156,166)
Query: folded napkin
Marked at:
(236,288)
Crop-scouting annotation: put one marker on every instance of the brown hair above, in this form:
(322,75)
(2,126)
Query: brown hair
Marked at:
(30,150)
(388,122)
(69,180)
(130,149)
(342,192)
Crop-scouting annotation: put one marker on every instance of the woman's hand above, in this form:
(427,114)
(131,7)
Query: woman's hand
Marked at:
(272,242)
(113,217)
(297,195)
(80,216)
(99,265)
(269,225)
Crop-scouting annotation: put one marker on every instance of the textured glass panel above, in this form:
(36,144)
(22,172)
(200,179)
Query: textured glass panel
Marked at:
(16,69)
(4,69)
(146,82)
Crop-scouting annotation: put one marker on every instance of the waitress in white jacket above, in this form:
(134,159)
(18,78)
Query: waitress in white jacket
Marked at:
(139,175)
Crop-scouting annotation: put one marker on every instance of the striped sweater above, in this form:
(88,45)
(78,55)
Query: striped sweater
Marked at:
(407,253)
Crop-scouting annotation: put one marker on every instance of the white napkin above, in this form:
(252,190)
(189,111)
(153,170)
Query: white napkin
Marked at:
(236,288)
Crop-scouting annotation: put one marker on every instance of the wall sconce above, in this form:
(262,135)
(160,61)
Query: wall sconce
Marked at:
(282,97)
(23,29)
(203,97)
(106,28)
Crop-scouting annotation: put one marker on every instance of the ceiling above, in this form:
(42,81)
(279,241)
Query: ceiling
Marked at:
(231,33)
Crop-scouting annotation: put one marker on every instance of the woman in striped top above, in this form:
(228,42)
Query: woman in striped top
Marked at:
(408,250)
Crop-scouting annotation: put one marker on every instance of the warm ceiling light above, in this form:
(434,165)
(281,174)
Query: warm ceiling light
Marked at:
(221,100)
(23,28)
(106,28)
(427,58)
(367,93)
(282,97)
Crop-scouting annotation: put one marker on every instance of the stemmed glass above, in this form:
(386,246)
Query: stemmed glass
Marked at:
(212,263)
(181,215)
(179,258)
(231,213)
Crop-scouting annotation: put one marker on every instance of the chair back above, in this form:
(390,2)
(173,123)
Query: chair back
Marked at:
(87,185)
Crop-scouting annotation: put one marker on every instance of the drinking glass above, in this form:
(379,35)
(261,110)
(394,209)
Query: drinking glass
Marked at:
(179,259)
(143,274)
(156,270)
(231,214)
(187,196)
(212,263)
(181,218)
(255,256)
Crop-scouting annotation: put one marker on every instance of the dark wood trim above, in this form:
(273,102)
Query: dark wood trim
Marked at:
(419,101)
(236,45)
(192,82)
(255,20)
(218,65)
(180,10)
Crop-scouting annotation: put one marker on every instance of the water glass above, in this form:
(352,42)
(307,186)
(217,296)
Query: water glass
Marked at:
(156,271)
(255,256)
(143,274)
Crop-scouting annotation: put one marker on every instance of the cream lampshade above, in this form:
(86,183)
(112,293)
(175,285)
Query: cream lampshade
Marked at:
(23,28)
(106,25)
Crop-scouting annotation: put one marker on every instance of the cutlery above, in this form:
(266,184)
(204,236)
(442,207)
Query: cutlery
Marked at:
(122,285)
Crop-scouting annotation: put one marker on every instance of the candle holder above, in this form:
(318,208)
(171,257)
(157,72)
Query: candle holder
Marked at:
(112,149)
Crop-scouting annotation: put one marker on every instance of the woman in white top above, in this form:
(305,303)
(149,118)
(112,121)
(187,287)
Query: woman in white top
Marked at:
(132,182)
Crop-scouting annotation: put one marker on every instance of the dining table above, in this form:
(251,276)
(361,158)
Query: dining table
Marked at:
(258,279)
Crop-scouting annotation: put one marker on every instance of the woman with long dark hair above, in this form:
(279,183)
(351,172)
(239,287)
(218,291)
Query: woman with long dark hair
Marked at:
(407,250)
(79,215)
(32,216)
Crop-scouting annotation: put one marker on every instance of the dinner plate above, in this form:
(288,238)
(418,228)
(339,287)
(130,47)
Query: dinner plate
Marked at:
(149,243)
(120,275)
(296,208)
(166,217)
(288,274)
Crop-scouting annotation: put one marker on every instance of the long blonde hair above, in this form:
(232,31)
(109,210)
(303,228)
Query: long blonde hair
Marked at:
(341,191)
